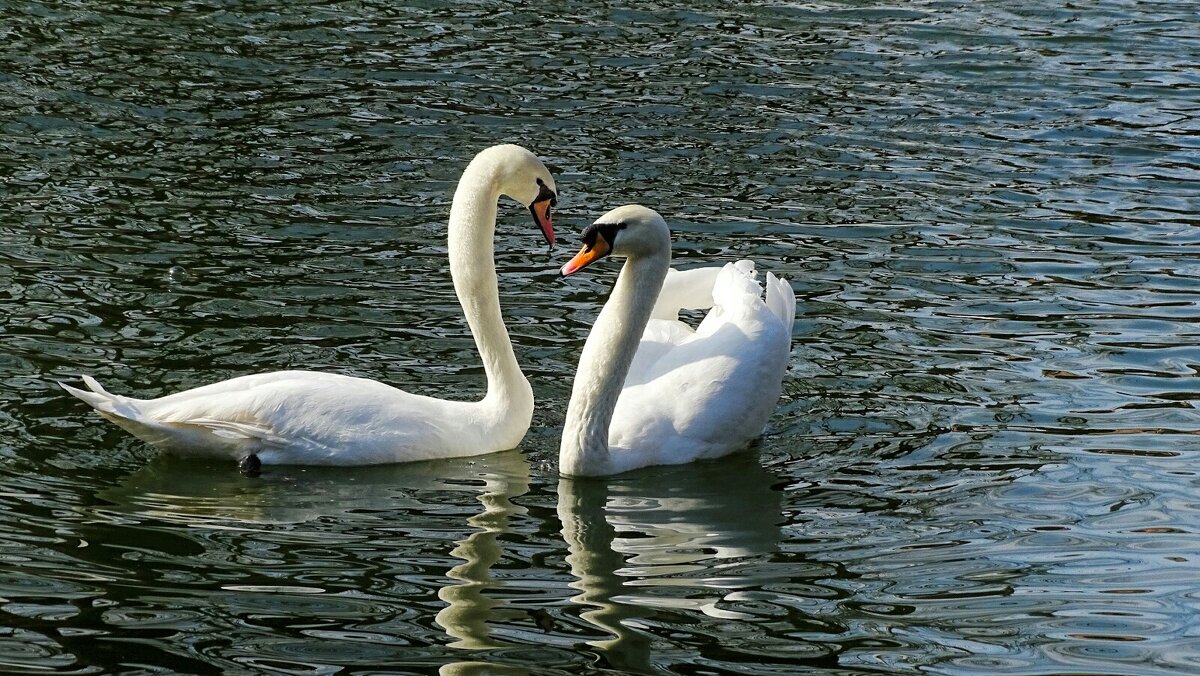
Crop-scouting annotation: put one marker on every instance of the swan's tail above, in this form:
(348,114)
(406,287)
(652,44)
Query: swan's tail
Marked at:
(106,403)
(124,411)
(781,300)
(188,437)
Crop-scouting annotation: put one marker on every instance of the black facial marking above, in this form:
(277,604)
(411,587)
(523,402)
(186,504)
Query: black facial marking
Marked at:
(545,193)
(608,230)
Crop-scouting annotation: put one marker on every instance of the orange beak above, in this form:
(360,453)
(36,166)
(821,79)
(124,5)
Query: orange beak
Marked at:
(587,255)
(541,215)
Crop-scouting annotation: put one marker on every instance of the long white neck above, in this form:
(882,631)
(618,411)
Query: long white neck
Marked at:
(605,361)
(472,266)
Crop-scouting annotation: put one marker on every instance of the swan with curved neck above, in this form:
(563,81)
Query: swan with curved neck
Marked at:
(653,391)
(313,418)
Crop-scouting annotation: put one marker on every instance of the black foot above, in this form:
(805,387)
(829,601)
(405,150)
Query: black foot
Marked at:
(250,466)
(543,619)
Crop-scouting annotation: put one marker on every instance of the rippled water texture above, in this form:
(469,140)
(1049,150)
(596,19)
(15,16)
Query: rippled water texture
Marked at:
(984,459)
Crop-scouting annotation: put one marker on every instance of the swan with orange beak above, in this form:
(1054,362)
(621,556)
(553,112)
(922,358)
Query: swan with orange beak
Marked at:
(652,391)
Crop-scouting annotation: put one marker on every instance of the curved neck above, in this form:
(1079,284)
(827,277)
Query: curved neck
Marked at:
(473,268)
(604,363)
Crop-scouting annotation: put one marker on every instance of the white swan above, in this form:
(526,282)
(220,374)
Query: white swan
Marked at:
(310,418)
(653,391)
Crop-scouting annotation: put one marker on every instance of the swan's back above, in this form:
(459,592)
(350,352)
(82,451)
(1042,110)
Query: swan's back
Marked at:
(705,393)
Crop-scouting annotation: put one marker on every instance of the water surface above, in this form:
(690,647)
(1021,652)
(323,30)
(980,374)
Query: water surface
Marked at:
(983,460)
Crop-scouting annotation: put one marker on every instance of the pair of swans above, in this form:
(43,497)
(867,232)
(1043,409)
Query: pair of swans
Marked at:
(649,389)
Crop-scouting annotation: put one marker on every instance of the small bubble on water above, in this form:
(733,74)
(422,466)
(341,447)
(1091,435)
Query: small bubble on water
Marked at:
(177,274)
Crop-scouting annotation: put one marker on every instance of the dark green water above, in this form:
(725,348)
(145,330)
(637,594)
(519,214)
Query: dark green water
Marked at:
(984,460)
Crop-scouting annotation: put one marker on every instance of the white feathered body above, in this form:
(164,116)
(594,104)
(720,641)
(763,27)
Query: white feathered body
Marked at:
(310,418)
(699,394)
(688,394)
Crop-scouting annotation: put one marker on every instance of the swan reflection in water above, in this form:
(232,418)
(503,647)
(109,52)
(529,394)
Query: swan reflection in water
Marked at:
(197,493)
(429,495)
(664,539)
(468,610)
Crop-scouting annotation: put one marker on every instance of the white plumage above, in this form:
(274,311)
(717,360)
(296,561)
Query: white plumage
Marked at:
(651,391)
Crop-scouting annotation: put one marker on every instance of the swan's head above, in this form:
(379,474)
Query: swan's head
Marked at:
(523,177)
(631,231)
